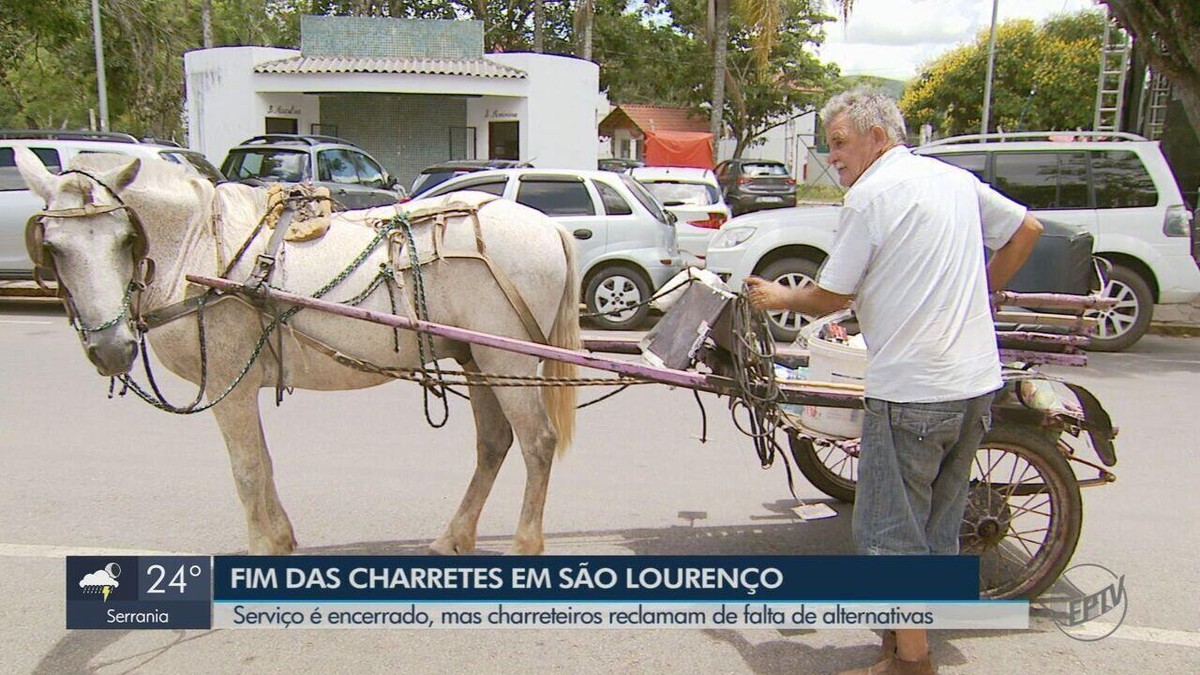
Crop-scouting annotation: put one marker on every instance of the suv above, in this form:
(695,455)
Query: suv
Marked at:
(1119,188)
(433,176)
(354,178)
(625,241)
(55,149)
(755,184)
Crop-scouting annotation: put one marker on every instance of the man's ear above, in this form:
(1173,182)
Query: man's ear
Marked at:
(879,136)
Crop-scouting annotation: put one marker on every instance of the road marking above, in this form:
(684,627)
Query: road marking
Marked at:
(35,322)
(41,551)
(1162,636)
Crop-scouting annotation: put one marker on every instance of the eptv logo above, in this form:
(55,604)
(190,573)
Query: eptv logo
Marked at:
(1103,595)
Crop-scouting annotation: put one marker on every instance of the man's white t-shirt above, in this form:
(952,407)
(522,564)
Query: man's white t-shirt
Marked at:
(910,248)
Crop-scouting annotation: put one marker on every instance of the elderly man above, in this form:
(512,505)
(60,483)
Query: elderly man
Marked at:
(909,255)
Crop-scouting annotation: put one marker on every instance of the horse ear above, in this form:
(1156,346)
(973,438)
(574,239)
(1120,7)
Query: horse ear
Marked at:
(36,176)
(119,179)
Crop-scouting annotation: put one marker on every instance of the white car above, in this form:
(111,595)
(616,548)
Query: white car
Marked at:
(625,241)
(694,196)
(55,149)
(1118,187)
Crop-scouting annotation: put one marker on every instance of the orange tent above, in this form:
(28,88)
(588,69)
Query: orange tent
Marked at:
(679,148)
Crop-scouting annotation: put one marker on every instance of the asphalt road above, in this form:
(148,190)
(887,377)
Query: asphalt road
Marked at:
(361,472)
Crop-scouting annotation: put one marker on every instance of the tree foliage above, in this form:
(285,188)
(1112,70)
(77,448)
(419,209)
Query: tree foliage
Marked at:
(1044,79)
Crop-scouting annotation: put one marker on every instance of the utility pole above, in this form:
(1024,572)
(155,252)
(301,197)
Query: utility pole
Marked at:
(987,83)
(98,39)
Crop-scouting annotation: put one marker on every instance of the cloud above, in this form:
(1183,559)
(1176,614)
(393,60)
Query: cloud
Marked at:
(893,38)
(98,578)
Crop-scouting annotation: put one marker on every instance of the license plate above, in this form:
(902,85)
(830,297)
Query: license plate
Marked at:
(773,200)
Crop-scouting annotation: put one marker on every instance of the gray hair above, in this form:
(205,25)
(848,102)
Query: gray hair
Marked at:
(867,108)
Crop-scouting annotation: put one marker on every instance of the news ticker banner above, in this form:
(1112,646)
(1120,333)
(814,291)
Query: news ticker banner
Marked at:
(421,592)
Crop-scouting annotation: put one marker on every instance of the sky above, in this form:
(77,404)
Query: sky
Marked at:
(893,38)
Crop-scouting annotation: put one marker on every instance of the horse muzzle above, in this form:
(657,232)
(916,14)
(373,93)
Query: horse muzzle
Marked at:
(112,351)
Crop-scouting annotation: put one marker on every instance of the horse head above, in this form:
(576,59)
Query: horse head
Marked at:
(95,247)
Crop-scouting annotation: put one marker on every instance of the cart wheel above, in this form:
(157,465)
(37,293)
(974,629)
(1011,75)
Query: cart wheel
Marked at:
(1023,514)
(831,467)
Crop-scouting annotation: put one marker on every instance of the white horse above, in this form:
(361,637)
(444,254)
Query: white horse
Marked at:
(91,238)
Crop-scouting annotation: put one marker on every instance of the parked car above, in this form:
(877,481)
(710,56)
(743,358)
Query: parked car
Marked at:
(694,197)
(1117,186)
(625,240)
(55,149)
(755,184)
(433,176)
(790,245)
(354,178)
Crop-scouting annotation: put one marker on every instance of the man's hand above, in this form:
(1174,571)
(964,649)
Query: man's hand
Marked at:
(766,295)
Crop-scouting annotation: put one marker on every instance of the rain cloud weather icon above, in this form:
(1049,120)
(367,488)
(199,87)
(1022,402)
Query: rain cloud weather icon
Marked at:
(102,581)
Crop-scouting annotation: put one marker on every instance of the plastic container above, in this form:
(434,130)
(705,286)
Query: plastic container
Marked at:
(830,361)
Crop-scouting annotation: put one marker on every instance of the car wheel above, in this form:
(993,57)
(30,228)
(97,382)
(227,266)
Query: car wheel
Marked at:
(1125,323)
(793,273)
(615,297)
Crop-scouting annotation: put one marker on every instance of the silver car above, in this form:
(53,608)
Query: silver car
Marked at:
(625,240)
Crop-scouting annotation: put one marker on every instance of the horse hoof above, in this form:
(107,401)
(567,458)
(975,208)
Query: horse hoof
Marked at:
(444,546)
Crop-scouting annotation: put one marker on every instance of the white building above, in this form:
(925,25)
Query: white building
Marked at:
(412,93)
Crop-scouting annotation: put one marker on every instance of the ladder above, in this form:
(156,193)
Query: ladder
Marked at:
(1114,66)
(1160,96)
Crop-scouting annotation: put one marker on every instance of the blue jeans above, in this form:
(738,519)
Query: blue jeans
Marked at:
(913,474)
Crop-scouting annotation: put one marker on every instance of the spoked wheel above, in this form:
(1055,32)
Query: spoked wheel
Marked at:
(831,467)
(1024,513)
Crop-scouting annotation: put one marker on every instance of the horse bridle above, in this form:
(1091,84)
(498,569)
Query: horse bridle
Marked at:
(143,265)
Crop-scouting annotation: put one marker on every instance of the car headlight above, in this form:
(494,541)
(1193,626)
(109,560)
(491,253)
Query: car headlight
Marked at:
(728,238)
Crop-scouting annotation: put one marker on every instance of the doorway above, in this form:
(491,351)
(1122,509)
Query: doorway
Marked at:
(504,140)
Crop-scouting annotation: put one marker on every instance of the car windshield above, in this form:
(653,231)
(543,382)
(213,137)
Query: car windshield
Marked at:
(689,194)
(194,161)
(268,164)
(755,170)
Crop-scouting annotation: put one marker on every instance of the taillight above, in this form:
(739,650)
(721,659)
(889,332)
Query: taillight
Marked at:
(714,221)
(743,180)
(1177,222)
(789,181)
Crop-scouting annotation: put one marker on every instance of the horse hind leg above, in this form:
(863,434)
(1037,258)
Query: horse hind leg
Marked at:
(268,525)
(525,410)
(493,438)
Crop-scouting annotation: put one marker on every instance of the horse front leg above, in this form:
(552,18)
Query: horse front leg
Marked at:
(493,438)
(268,525)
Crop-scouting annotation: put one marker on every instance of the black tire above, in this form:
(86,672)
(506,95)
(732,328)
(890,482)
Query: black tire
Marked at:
(618,288)
(1024,513)
(829,468)
(791,272)
(1024,532)
(1124,324)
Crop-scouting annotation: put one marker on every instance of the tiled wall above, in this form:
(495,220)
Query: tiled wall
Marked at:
(369,37)
(405,132)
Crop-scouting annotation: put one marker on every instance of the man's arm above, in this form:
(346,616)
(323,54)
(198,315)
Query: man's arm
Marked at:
(1006,261)
(812,300)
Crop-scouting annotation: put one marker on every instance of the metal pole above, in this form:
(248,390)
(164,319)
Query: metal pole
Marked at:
(987,83)
(100,83)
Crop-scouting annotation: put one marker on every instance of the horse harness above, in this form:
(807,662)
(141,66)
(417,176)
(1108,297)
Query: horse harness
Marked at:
(397,230)
(143,265)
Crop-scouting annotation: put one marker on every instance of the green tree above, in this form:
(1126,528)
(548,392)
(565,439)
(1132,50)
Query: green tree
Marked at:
(1042,73)
(1167,34)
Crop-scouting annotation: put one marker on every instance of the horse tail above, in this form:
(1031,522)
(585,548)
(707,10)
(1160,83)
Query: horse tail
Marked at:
(560,401)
